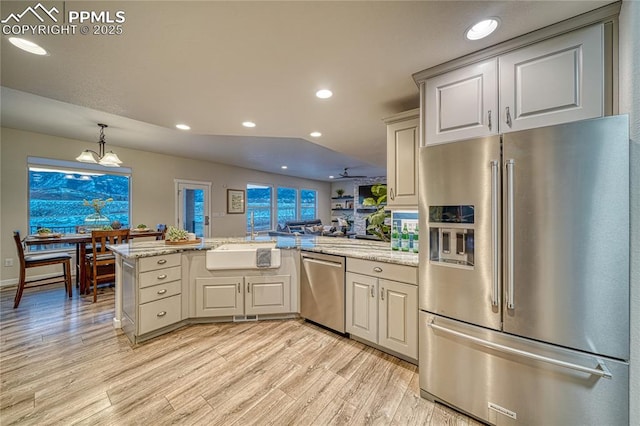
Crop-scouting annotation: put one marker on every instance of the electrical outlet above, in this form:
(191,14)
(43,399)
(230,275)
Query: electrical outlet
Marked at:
(8,262)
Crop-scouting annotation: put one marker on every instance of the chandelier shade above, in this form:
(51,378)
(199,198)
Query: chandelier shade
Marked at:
(109,159)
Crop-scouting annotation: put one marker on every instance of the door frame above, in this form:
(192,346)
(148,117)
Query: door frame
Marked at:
(181,184)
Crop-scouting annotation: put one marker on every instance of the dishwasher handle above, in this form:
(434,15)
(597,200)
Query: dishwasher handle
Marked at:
(322,262)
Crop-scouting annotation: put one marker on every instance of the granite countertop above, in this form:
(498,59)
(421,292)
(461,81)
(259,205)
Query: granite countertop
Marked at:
(348,247)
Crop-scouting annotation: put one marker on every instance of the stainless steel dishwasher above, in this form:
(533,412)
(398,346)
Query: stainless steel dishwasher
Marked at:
(322,289)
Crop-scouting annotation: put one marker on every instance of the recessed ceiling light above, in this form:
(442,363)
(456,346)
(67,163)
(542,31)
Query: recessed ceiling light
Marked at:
(27,46)
(284,167)
(315,134)
(248,124)
(324,93)
(482,29)
(331,177)
(183,127)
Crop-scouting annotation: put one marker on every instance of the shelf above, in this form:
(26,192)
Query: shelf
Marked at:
(344,197)
(341,210)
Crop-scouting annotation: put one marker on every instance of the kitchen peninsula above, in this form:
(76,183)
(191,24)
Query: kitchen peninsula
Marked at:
(161,287)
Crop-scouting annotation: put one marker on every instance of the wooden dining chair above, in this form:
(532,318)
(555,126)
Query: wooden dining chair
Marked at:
(35,260)
(100,264)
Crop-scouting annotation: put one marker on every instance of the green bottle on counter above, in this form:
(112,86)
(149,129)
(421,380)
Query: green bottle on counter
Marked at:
(416,237)
(395,239)
(405,238)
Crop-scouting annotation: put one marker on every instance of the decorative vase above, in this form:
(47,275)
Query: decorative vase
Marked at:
(96,221)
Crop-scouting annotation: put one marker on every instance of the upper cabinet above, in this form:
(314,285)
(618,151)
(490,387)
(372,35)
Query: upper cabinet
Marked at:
(463,103)
(554,81)
(557,80)
(402,159)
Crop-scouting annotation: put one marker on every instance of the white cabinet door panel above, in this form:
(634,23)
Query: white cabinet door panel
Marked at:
(462,104)
(362,306)
(402,163)
(219,296)
(555,81)
(268,295)
(399,317)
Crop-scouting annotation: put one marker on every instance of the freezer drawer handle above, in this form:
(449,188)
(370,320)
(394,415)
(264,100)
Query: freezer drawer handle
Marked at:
(601,369)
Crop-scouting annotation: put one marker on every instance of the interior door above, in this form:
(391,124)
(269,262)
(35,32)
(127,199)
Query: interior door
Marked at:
(193,207)
(567,253)
(459,222)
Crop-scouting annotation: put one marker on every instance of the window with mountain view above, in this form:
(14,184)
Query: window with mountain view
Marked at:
(308,204)
(291,204)
(57,194)
(259,202)
(287,204)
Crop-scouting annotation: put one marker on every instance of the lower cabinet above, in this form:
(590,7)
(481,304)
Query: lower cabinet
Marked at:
(380,310)
(243,295)
(152,294)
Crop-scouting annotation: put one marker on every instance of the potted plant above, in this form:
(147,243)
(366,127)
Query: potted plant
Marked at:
(377,220)
(340,192)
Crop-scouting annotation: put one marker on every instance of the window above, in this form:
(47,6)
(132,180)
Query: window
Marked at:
(57,190)
(287,204)
(308,204)
(291,205)
(259,203)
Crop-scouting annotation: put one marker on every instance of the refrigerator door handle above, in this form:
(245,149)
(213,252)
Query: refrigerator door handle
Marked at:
(494,231)
(601,369)
(510,234)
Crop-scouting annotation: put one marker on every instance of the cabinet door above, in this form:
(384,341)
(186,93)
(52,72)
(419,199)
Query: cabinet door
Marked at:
(402,163)
(219,296)
(362,306)
(462,104)
(268,295)
(554,81)
(398,312)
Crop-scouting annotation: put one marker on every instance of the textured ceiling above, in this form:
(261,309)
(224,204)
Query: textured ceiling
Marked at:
(215,64)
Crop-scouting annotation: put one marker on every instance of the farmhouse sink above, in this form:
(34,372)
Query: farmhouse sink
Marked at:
(241,256)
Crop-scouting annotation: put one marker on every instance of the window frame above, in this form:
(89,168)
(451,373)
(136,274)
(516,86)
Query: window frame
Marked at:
(272,205)
(71,167)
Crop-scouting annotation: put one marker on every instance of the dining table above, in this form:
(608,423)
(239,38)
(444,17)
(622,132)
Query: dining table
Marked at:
(80,240)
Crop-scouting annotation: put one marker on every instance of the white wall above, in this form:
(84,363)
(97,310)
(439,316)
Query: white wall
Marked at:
(152,197)
(630,104)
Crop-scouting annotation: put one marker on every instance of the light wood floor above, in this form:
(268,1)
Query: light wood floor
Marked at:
(61,362)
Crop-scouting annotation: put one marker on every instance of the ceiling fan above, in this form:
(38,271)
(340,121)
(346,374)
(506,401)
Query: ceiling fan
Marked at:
(346,175)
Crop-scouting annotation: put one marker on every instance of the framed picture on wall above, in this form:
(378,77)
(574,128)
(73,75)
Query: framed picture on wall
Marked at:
(235,201)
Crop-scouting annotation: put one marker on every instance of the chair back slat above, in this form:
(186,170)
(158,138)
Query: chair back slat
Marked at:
(100,239)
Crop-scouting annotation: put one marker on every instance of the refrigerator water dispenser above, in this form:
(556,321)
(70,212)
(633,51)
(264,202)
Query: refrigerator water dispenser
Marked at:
(451,235)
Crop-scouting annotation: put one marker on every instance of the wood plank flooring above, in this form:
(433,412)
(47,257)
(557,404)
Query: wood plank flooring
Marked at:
(61,362)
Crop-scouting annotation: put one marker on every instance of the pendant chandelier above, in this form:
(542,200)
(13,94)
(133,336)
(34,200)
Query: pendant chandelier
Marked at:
(109,159)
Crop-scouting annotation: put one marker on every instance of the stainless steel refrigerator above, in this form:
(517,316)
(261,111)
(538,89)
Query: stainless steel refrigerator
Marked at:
(524,277)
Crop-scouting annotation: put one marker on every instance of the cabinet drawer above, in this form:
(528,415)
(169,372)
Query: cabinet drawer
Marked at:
(159,276)
(160,291)
(158,262)
(161,313)
(389,271)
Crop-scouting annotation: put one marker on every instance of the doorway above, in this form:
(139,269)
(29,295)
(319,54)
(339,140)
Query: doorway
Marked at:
(193,206)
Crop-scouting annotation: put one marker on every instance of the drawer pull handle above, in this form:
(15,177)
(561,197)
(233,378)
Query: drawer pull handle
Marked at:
(162,277)
(163,291)
(162,261)
(161,313)
(377,269)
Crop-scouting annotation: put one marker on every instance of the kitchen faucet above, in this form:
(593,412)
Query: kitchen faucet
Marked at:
(252,226)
